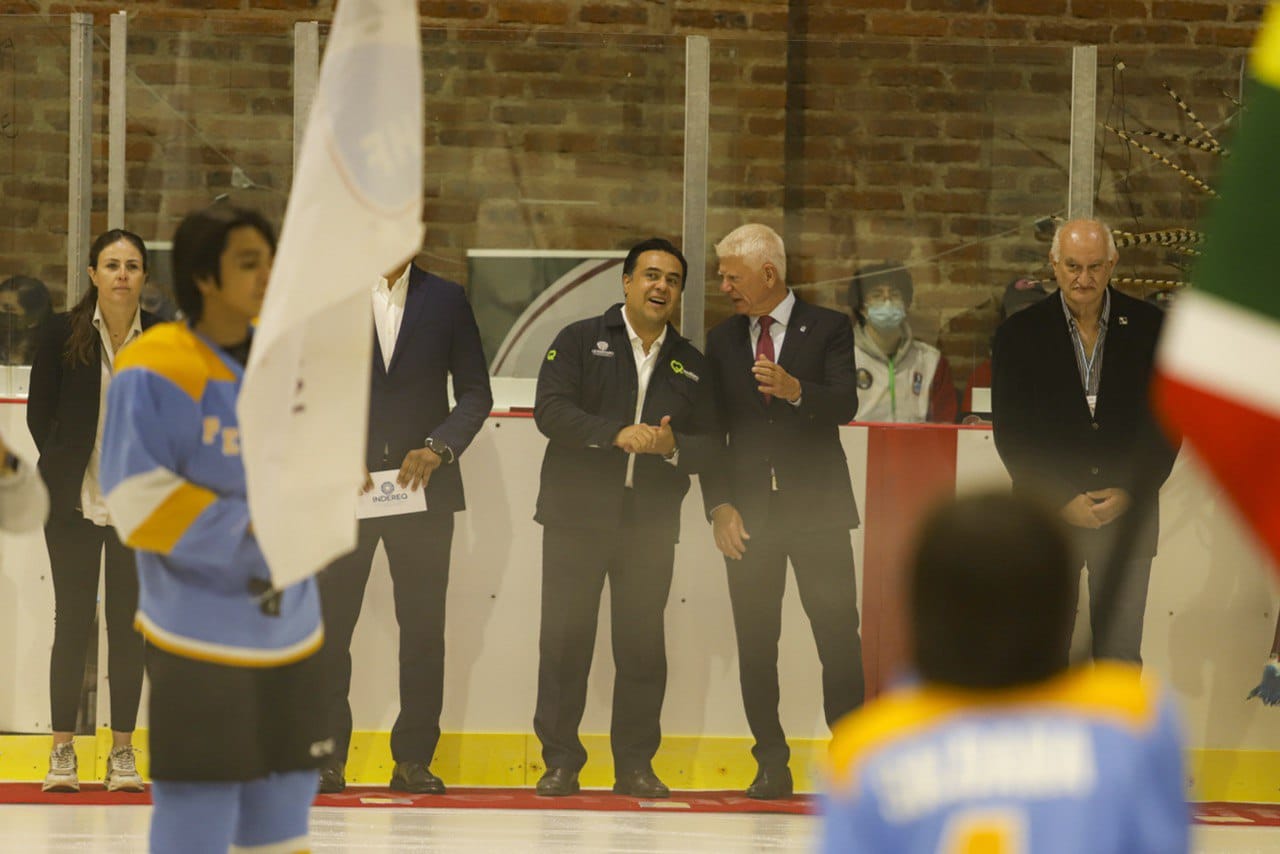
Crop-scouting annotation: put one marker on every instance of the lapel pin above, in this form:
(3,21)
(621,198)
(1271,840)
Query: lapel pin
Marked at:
(804,329)
(1123,320)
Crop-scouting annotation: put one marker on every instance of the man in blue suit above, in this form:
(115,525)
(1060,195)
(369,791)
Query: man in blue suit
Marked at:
(424,331)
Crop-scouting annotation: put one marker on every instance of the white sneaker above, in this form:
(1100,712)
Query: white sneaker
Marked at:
(62,769)
(122,771)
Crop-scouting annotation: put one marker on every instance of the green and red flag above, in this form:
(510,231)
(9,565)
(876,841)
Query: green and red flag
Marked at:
(1218,379)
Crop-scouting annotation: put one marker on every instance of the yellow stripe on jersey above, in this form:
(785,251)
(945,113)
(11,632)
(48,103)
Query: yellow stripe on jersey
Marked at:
(232,656)
(173,351)
(151,506)
(1105,691)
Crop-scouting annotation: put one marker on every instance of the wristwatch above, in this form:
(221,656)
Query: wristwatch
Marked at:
(440,449)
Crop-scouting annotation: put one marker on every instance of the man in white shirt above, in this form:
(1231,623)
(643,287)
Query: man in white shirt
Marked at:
(628,411)
(424,334)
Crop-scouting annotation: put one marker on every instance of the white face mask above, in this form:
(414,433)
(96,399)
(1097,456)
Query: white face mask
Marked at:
(886,316)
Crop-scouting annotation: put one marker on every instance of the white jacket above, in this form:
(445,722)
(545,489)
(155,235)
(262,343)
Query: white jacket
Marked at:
(898,387)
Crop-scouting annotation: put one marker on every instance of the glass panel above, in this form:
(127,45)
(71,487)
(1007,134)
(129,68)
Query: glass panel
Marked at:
(35,59)
(1165,106)
(210,115)
(548,155)
(929,163)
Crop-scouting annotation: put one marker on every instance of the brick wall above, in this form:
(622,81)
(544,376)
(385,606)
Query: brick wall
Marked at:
(928,131)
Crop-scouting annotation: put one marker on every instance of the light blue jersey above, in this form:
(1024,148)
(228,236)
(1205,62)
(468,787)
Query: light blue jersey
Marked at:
(1089,761)
(174,482)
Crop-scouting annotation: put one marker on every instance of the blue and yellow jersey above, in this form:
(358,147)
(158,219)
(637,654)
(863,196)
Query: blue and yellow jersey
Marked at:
(174,482)
(1089,761)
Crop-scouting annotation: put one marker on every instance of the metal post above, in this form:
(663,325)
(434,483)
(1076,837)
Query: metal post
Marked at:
(80,126)
(117,96)
(697,138)
(306,77)
(1084,120)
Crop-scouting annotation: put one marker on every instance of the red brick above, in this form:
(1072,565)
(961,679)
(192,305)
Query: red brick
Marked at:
(1114,10)
(532,12)
(614,13)
(988,28)
(450,10)
(907,25)
(1048,8)
(1187,10)
(1225,36)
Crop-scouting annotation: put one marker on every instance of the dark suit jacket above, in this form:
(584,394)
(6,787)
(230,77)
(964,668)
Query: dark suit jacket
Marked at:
(409,399)
(586,394)
(801,443)
(1044,433)
(62,411)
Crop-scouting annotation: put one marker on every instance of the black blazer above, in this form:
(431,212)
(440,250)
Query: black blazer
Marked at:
(409,399)
(587,389)
(1044,433)
(800,443)
(62,412)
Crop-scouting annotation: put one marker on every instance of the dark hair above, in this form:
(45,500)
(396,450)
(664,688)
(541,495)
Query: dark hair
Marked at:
(33,297)
(82,343)
(198,245)
(993,593)
(655,244)
(892,274)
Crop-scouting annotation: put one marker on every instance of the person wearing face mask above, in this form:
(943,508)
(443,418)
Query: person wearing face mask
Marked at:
(899,377)
(70,374)
(24,307)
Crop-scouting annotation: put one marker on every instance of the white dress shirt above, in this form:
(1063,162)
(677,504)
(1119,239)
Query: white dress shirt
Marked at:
(781,315)
(645,363)
(388,312)
(91,502)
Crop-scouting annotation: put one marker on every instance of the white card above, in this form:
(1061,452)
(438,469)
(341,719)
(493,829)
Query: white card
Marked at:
(387,498)
(981,401)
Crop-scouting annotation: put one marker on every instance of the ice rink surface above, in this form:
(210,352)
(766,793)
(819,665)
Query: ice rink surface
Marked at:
(123,830)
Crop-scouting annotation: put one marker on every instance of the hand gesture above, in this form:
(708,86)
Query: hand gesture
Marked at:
(772,379)
(636,439)
(1079,512)
(416,469)
(1268,690)
(730,535)
(367,486)
(664,443)
(1109,504)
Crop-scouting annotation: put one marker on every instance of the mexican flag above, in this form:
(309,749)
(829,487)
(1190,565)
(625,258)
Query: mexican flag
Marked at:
(1218,375)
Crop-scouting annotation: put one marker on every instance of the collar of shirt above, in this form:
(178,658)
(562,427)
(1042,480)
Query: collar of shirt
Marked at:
(100,324)
(394,291)
(1102,318)
(636,344)
(781,314)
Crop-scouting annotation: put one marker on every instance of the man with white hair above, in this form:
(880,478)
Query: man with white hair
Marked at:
(785,382)
(1073,423)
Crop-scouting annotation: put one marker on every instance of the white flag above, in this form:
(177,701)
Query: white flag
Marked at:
(354,213)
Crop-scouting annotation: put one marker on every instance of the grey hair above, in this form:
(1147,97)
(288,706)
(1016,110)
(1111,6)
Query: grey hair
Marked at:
(756,242)
(1055,248)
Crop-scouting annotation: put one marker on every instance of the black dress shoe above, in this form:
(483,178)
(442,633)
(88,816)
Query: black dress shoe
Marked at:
(416,778)
(333,777)
(771,784)
(641,783)
(557,782)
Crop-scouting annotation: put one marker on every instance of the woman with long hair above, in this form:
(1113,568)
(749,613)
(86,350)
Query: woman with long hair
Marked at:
(66,406)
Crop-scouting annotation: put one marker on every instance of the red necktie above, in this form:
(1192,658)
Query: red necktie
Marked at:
(764,346)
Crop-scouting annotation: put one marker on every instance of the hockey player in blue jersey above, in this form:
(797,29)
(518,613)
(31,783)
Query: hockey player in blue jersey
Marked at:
(235,731)
(1000,746)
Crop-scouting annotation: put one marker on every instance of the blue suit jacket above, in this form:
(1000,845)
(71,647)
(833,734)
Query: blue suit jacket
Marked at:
(409,398)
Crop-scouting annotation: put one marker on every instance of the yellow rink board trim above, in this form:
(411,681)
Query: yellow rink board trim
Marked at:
(513,760)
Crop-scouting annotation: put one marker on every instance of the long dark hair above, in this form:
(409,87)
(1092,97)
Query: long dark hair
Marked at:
(82,343)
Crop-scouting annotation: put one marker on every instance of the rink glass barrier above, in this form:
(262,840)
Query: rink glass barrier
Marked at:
(547,155)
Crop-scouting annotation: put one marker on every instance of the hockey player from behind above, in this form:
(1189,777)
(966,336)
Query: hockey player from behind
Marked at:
(236,734)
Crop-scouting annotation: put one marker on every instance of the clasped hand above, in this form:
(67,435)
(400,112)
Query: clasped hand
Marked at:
(772,378)
(1096,508)
(647,439)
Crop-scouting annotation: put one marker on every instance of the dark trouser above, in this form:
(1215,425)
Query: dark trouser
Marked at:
(1124,616)
(75,551)
(575,562)
(823,565)
(417,547)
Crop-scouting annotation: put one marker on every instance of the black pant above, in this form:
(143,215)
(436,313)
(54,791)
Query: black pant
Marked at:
(218,723)
(417,547)
(823,565)
(75,550)
(575,562)
(1125,613)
